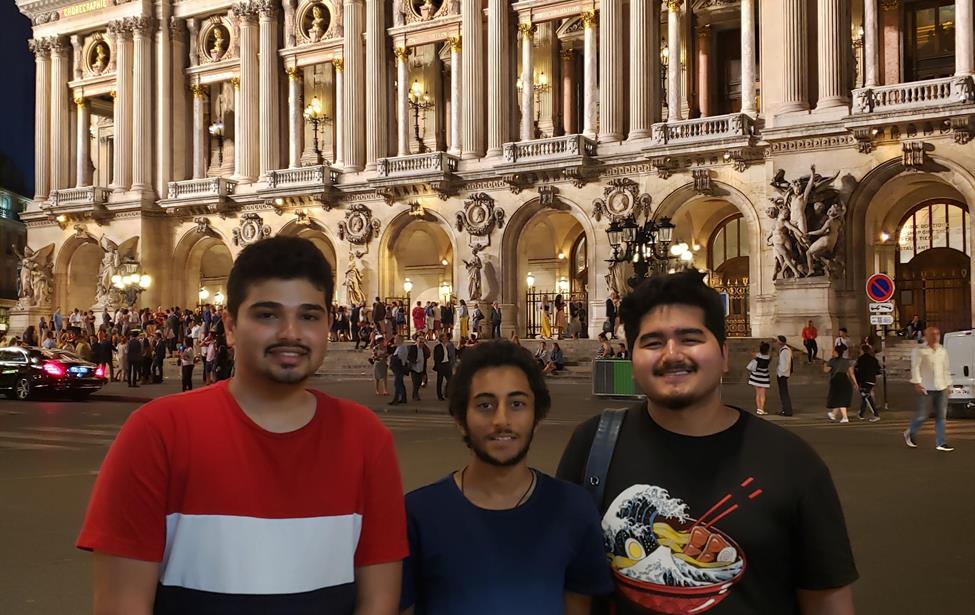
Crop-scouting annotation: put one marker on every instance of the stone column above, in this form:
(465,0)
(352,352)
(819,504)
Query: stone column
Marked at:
(60,140)
(870,38)
(270,135)
(247,137)
(795,66)
(354,104)
(589,53)
(527,32)
(142,105)
(704,69)
(644,34)
(470,102)
(338,65)
(164,101)
(402,102)
(200,131)
(238,129)
(568,90)
(77,52)
(748,57)
(180,161)
(611,70)
(499,84)
(122,173)
(42,120)
(457,100)
(296,129)
(832,25)
(83,137)
(377,103)
(963,37)
(892,39)
(673,65)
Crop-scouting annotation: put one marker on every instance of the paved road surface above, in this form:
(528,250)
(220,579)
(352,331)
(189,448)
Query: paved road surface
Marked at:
(910,512)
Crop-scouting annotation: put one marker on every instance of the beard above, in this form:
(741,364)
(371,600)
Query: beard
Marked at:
(483,454)
(301,371)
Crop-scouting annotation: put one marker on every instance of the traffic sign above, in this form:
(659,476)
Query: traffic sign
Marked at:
(880,287)
(881,319)
(885,307)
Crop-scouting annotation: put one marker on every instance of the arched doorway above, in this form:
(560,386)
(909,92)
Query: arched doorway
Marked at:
(82,277)
(214,268)
(314,234)
(933,268)
(728,266)
(418,248)
(553,248)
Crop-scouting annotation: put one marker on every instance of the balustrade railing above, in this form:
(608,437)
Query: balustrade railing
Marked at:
(435,162)
(86,195)
(553,148)
(915,95)
(300,176)
(200,188)
(703,129)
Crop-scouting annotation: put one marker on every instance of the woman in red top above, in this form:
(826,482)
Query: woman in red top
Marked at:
(809,334)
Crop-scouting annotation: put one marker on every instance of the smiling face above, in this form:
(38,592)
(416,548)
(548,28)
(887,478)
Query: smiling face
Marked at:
(500,415)
(677,361)
(280,332)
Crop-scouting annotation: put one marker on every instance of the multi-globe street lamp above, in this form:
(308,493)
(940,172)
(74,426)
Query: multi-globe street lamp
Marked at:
(419,100)
(131,283)
(648,247)
(315,116)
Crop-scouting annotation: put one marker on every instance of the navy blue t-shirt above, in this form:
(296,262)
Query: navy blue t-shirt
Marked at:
(465,559)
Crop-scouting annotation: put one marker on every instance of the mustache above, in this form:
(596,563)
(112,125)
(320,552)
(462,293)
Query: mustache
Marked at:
(661,370)
(301,347)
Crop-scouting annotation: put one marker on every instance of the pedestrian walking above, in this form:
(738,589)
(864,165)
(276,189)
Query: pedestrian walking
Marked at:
(783,371)
(839,394)
(400,364)
(809,335)
(930,375)
(495,320)
(537,539)
(842,341)
(158,357)
(380,366)
(444,357)
(758,376)
(419,315)
(187,359)
(213,501)
(612,311)
(134,353)
(417,365)
(682,477)
(546,318)
(865,372)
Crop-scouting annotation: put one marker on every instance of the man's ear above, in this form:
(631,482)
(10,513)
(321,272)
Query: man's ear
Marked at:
(229,327)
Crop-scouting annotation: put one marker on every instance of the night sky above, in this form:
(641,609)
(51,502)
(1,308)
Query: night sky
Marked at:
(16,101)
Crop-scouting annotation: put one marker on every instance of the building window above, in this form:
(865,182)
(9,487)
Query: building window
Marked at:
(727,243)
(929,37)
(933,225)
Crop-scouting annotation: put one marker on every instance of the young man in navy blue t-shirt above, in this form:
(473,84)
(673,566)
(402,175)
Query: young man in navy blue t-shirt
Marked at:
(499,536)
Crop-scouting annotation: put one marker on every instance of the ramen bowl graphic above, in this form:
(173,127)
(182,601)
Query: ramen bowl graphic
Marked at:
(694,594)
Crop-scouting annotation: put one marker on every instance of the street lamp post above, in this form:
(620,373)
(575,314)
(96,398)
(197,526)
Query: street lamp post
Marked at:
(648,247)
(315,116)
(132,283)
(419,100)
(407,288)
(217,130)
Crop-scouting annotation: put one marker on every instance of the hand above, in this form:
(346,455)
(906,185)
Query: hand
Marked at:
(920,389)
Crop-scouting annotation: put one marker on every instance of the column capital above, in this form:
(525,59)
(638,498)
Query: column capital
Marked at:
(121,28)
(176,31)
(40,47)
(454,42)
(567,53)
(527,29)
(199,91)
(293,72)
(266,8)
(235,81)
(79,99)
(140,26)
(338,64)
(674,5)
(245,12)
(589,19)
(889,5)
(703,31)
(57,45)
(402,54)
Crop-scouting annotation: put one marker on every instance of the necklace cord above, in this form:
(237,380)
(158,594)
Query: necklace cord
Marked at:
(531,485)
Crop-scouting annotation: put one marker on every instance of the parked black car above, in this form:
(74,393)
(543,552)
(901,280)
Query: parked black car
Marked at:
(26,371)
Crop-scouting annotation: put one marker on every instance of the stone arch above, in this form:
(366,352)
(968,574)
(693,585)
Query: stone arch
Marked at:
(397,236)
(515,227)
(317,235)
(72,284)
(188,258)
(880,201)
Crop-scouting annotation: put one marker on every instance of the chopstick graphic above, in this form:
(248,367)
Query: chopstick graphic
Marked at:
(702,521)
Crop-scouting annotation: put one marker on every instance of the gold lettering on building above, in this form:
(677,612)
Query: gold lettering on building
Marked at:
(84,7)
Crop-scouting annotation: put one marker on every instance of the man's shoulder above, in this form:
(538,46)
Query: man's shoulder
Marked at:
(353,415)
(428,497)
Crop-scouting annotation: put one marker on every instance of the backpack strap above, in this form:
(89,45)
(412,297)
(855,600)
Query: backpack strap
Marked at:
(601,453)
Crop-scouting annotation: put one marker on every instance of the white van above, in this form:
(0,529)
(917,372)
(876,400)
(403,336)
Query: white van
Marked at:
(961,355)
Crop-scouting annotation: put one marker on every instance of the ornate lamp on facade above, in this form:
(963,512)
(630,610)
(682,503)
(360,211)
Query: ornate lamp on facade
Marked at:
(219,299)
(530,280)
(131,282)
(445,291)
(407,288)
(217,130)
(315,116)
(419,100)
(649,247)
(204,294)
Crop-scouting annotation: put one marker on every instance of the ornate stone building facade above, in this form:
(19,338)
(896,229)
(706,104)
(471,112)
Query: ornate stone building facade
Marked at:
(465,144)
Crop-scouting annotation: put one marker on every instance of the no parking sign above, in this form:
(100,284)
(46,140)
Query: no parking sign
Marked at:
(880,287)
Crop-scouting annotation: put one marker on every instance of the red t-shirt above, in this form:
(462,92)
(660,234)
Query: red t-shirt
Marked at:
(238,515)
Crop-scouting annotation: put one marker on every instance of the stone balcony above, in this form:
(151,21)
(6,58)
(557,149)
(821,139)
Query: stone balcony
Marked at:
(316,182)
(209,195)
(734,129)
(416,175)
(916,107)
(566,157)
(82,201)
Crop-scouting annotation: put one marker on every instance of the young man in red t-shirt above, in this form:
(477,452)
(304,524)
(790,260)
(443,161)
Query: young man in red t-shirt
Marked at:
(254,495)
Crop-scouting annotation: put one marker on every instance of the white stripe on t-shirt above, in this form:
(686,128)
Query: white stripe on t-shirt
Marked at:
(248,555)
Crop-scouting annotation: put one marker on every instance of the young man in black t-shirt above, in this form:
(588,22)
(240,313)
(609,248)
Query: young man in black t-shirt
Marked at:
(707,509)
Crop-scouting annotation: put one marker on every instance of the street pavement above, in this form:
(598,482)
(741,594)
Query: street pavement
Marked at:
(909,512)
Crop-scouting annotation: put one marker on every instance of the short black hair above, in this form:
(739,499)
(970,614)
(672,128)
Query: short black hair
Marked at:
(278,258)
(682,288)
(501,353)
(764,347)
(781,338)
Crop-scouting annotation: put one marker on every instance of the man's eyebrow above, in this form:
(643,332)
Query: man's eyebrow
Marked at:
(493,396)
(682,331)
(274,305)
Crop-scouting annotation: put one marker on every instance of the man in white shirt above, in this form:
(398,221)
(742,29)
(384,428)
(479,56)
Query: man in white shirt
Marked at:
(782,373)
(842,343)
(930,377)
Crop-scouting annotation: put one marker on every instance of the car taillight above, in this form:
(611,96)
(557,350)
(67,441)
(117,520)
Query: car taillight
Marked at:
(100,371)
(54,368)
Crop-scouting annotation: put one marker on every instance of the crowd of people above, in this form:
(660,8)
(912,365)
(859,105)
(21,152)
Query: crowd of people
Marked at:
(132,345)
